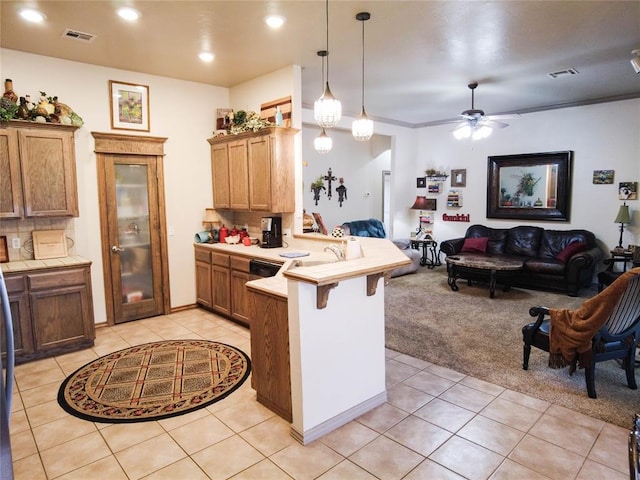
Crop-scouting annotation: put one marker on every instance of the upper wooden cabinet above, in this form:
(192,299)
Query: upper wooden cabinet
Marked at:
(254,171)
(41,166)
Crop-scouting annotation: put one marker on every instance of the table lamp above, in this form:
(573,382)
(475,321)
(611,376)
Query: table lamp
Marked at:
(419,204)
(622,218)
(210,217)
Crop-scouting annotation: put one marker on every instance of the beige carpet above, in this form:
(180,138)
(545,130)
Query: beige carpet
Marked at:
(473,334)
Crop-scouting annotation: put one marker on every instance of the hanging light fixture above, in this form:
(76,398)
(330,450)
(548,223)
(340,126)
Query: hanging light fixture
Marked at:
(327,110)
(323,142)
(362,127)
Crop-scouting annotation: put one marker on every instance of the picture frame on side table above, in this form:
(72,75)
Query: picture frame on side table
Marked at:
(49,244)
(530,186)
(129,104)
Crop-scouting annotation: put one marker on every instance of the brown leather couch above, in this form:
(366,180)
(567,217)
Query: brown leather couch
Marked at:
(547,264)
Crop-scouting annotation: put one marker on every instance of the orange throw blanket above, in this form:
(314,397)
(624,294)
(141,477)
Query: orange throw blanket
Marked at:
(571,331)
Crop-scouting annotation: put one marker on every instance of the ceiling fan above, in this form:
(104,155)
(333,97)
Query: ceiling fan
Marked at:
(475,123)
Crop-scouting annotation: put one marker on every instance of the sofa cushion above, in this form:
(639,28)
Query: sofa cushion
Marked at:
(524,241)
(497,237)
(475,245)
(545,266)
(570,250)
(554,241)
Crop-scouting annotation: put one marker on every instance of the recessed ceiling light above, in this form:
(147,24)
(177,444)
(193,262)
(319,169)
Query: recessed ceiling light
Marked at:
(274,21)
(129,14)
(32,15)
(206,56)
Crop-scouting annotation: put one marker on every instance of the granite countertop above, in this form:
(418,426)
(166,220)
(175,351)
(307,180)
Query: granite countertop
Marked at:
(378,256)
(27,265)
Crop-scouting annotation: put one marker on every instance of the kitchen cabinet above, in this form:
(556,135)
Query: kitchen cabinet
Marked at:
(270,366)
(52,310)
(254,170)
(40,179)
(220,283)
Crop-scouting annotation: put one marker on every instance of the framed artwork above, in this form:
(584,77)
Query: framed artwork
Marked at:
(603,177)
(434,187)
(628,191)
(432,203)
(268,110)
(320,222)
(530,186)
(421,182)
(129,106)
(459,178)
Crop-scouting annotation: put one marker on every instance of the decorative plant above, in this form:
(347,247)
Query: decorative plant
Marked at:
(527,183)
(8,109)
(318,183)
(248,121)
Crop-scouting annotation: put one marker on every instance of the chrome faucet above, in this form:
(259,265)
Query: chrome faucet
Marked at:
(336,250)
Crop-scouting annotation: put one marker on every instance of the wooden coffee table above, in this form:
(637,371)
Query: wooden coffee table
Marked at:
(482,267)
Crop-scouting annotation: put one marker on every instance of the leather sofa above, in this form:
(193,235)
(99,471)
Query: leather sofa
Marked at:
(562,260)
(375,228)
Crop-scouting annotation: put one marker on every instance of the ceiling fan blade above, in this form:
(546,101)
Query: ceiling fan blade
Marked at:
(507,116)
(493,123)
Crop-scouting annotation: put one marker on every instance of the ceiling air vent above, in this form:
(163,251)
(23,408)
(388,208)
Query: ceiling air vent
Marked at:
(76,35)
(563,73)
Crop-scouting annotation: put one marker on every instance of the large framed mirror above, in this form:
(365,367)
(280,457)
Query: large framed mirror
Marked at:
(530,186)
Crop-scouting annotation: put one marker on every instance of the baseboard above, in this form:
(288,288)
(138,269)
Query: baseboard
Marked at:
(339,420)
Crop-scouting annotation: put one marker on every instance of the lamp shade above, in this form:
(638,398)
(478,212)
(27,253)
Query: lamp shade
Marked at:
(323,143)
(210,216)
(420,203)
(623,215)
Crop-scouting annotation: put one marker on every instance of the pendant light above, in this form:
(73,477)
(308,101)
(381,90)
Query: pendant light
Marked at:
(327,110)
(362,127)
(323,142)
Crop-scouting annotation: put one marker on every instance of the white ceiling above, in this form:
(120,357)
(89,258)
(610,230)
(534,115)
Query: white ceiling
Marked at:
(420,55)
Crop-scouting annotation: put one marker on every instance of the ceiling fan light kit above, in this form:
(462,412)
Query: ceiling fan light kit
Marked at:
(475,124)
(327,110)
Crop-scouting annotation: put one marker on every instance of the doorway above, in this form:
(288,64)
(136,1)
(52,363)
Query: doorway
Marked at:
(133,226)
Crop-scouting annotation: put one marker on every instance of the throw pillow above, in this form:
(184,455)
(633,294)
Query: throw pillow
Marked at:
(570,250)
(475,245)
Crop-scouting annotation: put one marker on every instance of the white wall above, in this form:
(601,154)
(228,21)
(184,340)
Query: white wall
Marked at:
(602,136)
(184,112)
(360,164)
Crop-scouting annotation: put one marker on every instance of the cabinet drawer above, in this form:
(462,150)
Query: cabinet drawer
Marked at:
(240,263)
(56,279)
(220,259)
(203,255)
(15,284)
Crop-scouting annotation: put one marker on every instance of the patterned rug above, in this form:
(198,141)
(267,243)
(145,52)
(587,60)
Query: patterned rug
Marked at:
(154,381)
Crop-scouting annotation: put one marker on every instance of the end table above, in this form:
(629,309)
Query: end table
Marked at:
(430,256)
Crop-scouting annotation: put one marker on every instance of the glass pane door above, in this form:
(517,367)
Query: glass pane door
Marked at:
(134,241)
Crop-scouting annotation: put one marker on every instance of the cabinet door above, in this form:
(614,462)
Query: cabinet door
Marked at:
(238,175)
(203,284)
(220,175)
(259,152)
(239,296)
(48,173)
(21,318)
(10,178)
(220,289)
(270,376)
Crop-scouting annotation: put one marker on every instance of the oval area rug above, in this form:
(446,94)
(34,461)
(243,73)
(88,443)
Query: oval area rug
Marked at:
(154,381)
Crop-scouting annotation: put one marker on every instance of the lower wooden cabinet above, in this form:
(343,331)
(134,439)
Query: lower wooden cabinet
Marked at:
(52,311)
(220,283)
(270,366)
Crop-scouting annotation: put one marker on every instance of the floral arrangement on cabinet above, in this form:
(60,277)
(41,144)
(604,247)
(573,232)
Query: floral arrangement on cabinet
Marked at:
(46,110)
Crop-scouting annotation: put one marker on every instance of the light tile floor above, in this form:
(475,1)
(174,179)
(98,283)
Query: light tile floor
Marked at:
(437,424)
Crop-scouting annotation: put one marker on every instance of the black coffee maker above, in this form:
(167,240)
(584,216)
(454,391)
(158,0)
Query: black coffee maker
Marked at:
(271,232)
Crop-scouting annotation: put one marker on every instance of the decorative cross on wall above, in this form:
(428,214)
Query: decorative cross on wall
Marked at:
(342,191)
(329,178)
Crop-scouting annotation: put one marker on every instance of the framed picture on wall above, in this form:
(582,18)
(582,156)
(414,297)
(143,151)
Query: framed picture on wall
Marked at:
(129,106)
(459,178)
(421,182)
(628,191)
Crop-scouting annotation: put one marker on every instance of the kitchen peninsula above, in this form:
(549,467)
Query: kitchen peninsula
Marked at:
(330,366)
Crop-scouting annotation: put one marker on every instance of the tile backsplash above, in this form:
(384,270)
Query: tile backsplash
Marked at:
(22,229)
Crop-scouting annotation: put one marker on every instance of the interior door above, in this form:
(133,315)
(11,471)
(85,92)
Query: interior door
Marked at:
(133,236)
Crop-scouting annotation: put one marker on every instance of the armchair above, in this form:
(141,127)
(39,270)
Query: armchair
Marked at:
(604,327)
